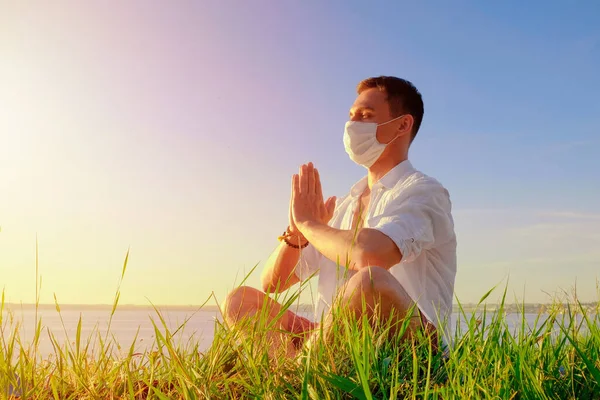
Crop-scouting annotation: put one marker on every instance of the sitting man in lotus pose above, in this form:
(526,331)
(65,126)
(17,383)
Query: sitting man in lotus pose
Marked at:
(388,244)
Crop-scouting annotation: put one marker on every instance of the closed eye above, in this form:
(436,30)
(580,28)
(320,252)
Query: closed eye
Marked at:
(362,112)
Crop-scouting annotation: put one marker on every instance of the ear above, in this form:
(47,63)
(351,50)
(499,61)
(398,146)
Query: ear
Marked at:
(406,123)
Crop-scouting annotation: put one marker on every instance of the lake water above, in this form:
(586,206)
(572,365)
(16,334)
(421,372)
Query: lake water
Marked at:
(126,323)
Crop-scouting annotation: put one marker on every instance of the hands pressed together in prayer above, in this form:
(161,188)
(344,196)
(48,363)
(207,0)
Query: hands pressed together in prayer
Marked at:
(306,203)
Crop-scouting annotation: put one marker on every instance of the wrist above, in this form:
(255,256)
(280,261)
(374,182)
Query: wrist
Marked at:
(294,231)
(294,239)
(305,226)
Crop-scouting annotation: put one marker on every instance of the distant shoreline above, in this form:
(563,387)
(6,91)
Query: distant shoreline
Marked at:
(509,308)
(109,307)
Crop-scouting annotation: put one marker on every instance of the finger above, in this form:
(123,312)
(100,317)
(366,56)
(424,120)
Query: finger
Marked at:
(292,194)
(318,189)
(311,178)
(303,179)
(327,206)
(330,205)
(295,195)
(328,202)
(295,187)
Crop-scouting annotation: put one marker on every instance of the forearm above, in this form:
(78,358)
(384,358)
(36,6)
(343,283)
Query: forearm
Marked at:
(337,245)
(356,250)
(278,274)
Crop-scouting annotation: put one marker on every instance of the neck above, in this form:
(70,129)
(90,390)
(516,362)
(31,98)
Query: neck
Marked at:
(382,167)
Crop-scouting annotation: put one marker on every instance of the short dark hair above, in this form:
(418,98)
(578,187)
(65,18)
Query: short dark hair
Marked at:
(402,97)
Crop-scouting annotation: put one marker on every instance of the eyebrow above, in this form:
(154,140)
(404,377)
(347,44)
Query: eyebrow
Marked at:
(356,109)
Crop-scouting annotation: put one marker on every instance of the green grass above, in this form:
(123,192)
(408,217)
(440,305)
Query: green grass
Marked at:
(557,358)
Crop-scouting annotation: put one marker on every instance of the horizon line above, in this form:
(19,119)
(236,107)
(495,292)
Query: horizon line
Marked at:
(217,306)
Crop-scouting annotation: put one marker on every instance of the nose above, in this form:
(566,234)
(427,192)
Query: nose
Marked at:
(355,117)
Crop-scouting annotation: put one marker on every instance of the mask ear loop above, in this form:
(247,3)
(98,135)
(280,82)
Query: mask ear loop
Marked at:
(390,142)
(391,120)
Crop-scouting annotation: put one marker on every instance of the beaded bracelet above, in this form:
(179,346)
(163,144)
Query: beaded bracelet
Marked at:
(293,245)
(286,234)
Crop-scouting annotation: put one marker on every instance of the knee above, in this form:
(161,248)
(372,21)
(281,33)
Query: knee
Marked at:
(370,278)
(367,282)
(235,300)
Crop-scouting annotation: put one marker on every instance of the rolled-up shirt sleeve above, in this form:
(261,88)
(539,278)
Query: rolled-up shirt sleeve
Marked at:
(418,221)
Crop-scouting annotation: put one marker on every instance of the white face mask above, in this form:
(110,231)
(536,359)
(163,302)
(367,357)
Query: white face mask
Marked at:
(361,142)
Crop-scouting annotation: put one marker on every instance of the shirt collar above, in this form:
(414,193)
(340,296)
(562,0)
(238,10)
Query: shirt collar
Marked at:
(387,181)
(395,174)
(359,187)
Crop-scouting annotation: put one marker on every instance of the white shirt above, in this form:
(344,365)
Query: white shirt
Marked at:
(414,210)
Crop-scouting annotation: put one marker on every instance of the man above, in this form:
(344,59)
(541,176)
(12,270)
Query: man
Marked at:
(388,244)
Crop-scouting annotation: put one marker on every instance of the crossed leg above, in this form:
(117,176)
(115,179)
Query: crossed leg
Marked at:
(373,290)
(289,329)
(376,292)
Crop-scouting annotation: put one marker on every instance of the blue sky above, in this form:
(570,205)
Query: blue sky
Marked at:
(174,128)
